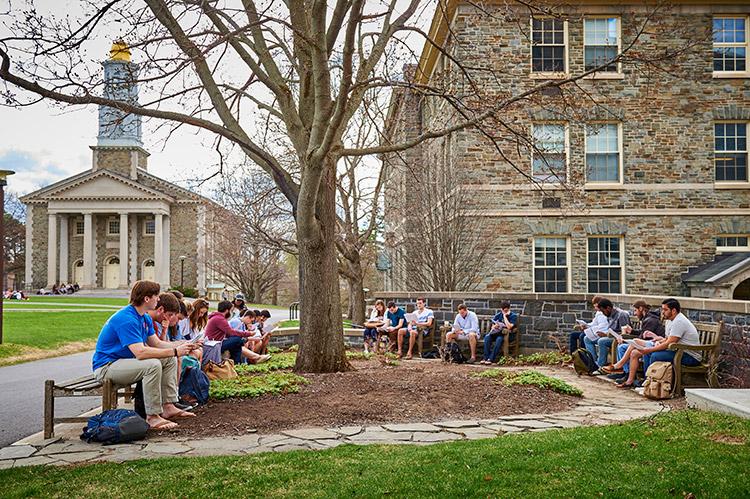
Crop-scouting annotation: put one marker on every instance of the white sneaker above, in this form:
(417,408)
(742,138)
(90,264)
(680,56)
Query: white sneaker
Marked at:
(263,358)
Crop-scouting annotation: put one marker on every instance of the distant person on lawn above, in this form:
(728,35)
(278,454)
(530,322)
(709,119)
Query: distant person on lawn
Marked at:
(425,318)
(465,327)
(128,351)
(503,322)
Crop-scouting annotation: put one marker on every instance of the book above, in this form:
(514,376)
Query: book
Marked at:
(615,335)
(211,343)
(581,323)
(411,317)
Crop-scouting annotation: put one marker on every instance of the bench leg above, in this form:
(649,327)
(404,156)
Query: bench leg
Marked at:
(506,345)
(49,409)
(107,395)
(677,365)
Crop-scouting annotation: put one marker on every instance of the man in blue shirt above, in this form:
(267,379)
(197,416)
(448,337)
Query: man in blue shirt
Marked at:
(502,324)
(465,327)
(128,351)
(396,322)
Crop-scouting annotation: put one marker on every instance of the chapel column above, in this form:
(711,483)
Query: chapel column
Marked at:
(88,251)
(158,247)
(123,250)
(64,263)
(52,249)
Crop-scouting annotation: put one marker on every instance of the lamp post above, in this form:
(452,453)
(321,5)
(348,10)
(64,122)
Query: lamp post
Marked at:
(182,272)
(3,182)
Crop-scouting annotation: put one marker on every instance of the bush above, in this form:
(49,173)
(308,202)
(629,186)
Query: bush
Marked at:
(536,359)
(255,386)
(530,378)
(188,292)
(278,362)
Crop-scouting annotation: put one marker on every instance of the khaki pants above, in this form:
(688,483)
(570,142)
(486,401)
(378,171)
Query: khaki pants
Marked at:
(159,379)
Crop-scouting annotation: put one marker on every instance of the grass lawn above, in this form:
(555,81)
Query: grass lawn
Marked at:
(704,454)
(88,300)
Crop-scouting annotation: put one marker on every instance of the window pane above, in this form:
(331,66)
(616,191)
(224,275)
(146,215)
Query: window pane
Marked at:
(548,50)
(550,261)
(604,265)
(730,156)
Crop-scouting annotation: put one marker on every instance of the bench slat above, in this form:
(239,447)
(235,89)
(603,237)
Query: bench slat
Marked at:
(75,381)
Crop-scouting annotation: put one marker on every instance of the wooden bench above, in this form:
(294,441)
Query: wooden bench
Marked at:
(85,386)
(710,347)
(485,325)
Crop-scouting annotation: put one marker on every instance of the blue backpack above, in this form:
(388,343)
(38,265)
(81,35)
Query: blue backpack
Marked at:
(115,426)
(194,385)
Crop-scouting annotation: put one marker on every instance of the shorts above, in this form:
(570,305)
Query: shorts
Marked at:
(465,336)
(410,329)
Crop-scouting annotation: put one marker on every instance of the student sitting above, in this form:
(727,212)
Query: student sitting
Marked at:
(376,323)
(249,322)
(128,351)
(396,322)
(233,340)
(503,322)
(616,319)
(422,325)
(465,327)
(238,305)
(196,320)
(650,329)
(679,330)
(600,323)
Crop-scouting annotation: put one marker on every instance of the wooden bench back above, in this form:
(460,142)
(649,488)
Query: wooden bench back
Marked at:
(710,334)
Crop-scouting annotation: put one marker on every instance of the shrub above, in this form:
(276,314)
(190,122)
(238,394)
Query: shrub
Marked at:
(255,386)
(530,378)
(551,358)
(278,362)
(188,292)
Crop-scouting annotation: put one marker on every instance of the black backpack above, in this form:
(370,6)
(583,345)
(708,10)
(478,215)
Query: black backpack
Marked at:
(584,362)
(114,427)
(452,353)
(194,386)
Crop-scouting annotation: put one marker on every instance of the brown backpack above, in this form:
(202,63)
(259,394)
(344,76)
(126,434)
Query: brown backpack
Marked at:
(224,370)
(658,384)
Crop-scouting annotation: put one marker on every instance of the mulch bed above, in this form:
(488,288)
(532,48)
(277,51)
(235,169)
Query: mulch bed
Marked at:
(373,394)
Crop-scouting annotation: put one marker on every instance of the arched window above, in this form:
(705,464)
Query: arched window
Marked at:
(113,261)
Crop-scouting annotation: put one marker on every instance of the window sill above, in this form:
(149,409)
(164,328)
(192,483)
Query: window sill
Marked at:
(605,76)
(724,76)
(603,186)
(548,76)
(731,185)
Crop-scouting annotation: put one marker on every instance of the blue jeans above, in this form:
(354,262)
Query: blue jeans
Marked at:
(621,349)
(604,345)
(234,345)
(371,333)
(667,356)
(491,353)
(575,339)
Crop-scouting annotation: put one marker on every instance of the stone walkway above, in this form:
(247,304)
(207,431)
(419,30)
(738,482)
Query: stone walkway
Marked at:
(601,404)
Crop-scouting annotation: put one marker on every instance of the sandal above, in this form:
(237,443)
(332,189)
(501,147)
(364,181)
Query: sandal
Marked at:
(611,369)
(625,385)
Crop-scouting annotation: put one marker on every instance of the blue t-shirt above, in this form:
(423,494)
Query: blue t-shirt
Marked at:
(395,317)
(124,328)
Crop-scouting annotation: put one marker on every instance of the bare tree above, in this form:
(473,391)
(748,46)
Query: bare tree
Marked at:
(306,67)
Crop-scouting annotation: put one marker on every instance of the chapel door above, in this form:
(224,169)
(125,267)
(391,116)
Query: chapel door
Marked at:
(149,271)
(112,273)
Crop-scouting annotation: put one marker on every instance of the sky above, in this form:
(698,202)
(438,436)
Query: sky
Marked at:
(44,142)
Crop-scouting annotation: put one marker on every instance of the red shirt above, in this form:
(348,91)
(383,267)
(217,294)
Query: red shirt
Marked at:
(218,328)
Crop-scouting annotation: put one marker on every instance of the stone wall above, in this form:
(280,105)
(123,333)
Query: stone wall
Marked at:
(545,320)
(40,237)
(184,236)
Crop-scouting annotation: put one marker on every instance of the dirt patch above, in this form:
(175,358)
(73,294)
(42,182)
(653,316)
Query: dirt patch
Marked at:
(374,394)
(723,438)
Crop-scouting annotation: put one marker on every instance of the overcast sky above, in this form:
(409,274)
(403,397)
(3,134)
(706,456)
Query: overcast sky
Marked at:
(45,143)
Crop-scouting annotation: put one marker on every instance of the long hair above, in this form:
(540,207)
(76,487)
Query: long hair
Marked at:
(197,321)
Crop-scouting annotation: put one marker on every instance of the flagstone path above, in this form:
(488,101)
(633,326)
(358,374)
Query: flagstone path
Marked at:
(601,404)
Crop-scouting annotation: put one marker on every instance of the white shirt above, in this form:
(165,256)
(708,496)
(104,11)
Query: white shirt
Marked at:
(600,324)
(682,328)
(468,324)
(423,316)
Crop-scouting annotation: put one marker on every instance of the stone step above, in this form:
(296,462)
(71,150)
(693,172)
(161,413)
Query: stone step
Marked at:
(734,401)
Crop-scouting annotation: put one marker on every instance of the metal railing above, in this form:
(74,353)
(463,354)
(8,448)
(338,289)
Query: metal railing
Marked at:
(294,311)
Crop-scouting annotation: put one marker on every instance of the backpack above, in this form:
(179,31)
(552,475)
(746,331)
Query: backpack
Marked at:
(584,362)
(452,353)
(114,427)
(222,370)
(194,385)
(658,384)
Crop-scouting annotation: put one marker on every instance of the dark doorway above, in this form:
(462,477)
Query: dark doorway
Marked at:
(742,291)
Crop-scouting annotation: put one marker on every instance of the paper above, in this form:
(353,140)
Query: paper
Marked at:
(581,323)
(211,343)
(615,335)
(411,317)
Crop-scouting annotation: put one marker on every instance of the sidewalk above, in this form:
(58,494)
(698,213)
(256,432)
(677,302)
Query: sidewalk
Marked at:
(601,404)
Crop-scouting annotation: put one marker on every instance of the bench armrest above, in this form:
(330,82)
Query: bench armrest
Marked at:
(700,348)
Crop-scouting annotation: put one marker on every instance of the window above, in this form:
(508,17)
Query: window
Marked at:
(548,46)
(603,152)
(79,227)
(113,227)
(601,41)
(549,157)
(730,44)
(550,265)
(730,152)
(605,265)
(149,227)
(735,242)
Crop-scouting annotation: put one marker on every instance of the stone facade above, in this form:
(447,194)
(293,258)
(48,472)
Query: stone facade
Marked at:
(545,320)
(666,208)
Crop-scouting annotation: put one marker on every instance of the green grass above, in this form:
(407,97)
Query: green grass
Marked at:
(670,456)
(255,386)
(536,359)
(87,300)
(530,378)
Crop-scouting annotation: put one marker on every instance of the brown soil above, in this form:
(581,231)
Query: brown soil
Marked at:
(374,394)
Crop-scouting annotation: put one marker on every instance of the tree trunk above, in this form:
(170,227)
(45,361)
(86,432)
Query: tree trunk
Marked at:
(357,300)
(321,337)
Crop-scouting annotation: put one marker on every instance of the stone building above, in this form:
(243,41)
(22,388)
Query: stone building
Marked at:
(116,223)
(623,182)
